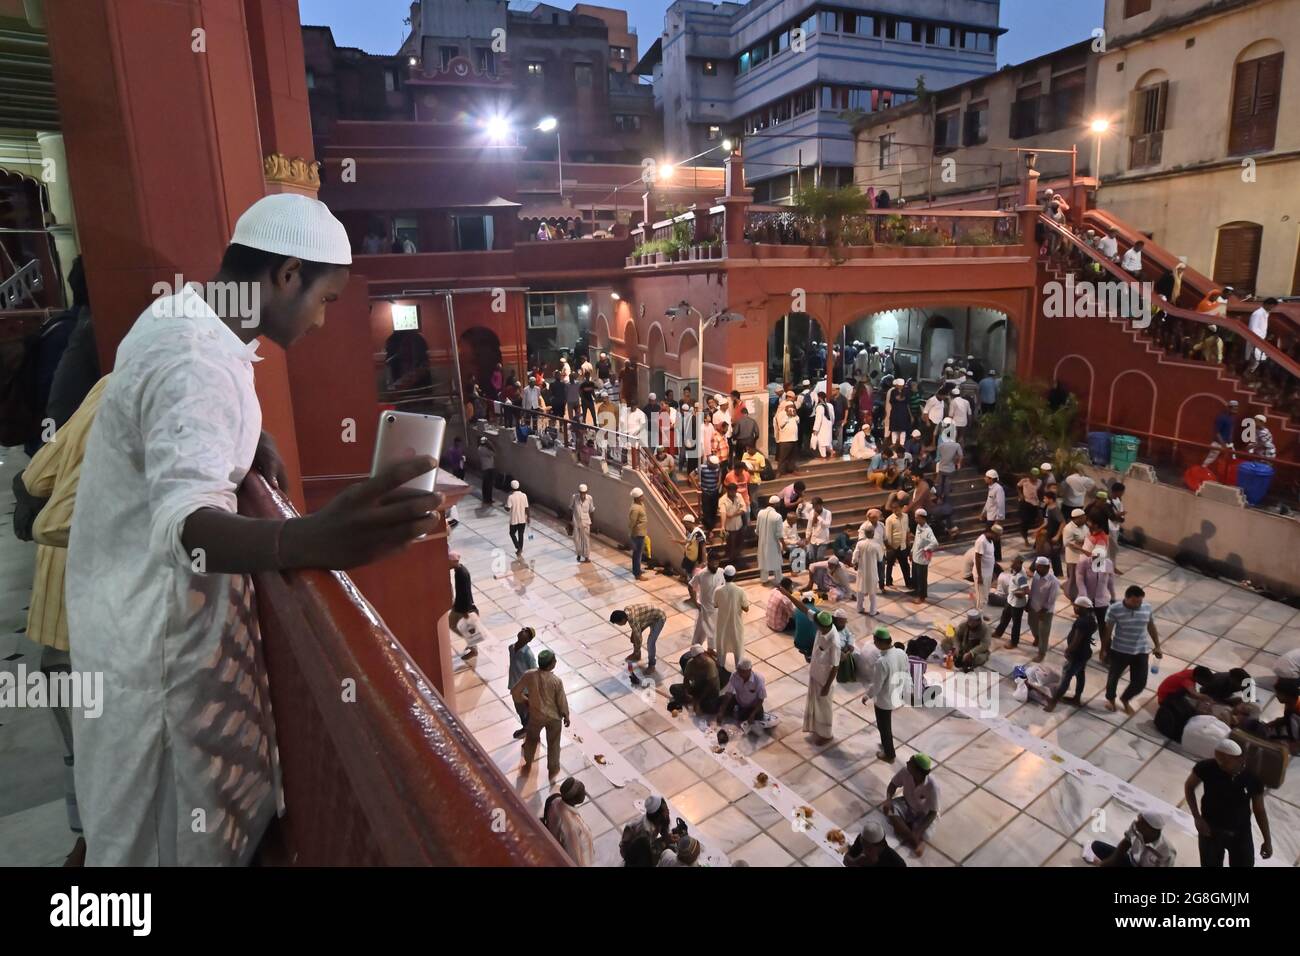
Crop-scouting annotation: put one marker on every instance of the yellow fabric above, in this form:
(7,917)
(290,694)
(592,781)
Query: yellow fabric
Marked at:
(54,473)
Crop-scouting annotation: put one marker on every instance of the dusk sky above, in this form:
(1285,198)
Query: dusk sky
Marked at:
(1034,26)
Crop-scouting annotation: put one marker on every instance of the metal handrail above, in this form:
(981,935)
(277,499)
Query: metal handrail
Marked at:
(1280,358)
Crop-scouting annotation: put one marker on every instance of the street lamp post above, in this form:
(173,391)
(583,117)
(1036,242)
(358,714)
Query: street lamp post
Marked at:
(1098,127)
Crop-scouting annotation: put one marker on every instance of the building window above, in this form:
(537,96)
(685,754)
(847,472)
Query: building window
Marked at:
(1148,125)
(404,228)
(713,134)
(936,34)
(886,147)
(311,80)
(618,53)
(446,54)
(977,124)
(1065,105)
(710,68)
(536,68)
(582,74)
(977,40)
(947,130)
(390,81)
(485,60)
(912,31)
(541,311)
(1133,8)
(628,123)
(473,233)
(1024,111)
(1236,259)
(886,28)
(1256,92)
(828,21)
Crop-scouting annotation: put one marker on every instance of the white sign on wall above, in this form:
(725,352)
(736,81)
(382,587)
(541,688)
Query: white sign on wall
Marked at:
(406,318)
(747,377)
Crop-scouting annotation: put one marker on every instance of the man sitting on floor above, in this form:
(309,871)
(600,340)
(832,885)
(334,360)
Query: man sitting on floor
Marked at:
(913,812)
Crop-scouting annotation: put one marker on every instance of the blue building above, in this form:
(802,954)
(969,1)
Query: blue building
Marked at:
(791,76)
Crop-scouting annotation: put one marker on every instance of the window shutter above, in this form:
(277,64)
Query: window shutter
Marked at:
(1256,97)
(1243,106)
(1268,95)
(1236,261)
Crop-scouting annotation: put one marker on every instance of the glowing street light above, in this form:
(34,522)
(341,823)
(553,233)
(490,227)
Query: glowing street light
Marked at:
(726,145)
(664,171)
(1098,128)
(1099,125)
(498,129)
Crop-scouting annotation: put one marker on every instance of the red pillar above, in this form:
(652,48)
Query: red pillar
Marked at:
(160,126)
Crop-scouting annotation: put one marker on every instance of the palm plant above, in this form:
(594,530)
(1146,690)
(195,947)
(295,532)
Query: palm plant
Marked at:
(1024,430)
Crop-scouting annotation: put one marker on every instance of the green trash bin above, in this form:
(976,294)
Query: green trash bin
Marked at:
(1123,452)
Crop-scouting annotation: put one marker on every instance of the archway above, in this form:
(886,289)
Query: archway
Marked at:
(688,359)
(480,352)
(602,332)
(1132,402)
(656,359)
(1075,374)
(796,349)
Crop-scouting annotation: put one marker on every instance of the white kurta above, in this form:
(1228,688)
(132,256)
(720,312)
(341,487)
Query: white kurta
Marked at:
(819,711)
(866,554)
(770,526)
(823,431)
(581,508)
(181,766)
(732,605)
(706,623)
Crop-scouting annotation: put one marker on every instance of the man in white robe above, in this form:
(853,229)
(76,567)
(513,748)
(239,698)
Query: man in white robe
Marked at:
(581,507)
(770,527)
(867,556)
(708,578)
(819,705)
(732,604)
(158,595)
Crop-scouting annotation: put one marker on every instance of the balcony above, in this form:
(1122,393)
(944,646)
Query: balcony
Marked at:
(392,777)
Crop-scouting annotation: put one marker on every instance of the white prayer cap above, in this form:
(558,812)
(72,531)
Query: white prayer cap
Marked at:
(729,571)
(1045,466)
(1214,328)
(689,519)
(872,831)
(290,224)
(947,421)
(774,500)
(637,492)
(805,382)
(991,474)
(1261,418)
(899,381)
(653,804)
(1083,601)
(1229,747)
(686,408)
(1153,819)
(1043,562)
(808,595)
(720,399)
(582,488)
(713,459)
(514,486)
(652,396)
(916,433)
(996,529)
(920,512)
(1077,513)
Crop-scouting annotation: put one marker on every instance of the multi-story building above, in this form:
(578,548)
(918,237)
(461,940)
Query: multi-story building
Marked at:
(1196,155)
(791,76)
(951,147)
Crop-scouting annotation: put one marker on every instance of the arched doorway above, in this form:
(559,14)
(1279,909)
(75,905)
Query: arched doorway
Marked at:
(1132,402)
(480,352)
(796,349)
(1075,374)
(655,360)
(688,362)
(938,342)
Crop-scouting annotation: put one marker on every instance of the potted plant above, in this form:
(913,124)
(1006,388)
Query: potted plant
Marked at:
(829,211)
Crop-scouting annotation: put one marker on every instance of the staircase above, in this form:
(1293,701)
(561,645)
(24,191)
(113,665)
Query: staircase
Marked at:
(843,487)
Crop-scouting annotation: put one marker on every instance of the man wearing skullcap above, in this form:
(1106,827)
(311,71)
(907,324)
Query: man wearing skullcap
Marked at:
(1222,817)
(645,839)
(889,687)
(1143,846)
(818,708)
(732,603)
(638,524)
(912,813)
(830,578)
(517,506)
(1078,651)
(685,852)
(972,642)
(870,850)
(582,508)
(1044,588)
(769,527)
(522,660)
(744,694)
(561,816)
(542,693)
(868,554)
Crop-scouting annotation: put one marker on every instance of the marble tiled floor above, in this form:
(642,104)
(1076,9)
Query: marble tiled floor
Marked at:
(1001,806)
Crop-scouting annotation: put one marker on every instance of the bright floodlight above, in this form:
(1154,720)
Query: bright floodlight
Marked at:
(665,171)
(548,124)
(498,128)
(614,296)
(726,144)
(1099,125)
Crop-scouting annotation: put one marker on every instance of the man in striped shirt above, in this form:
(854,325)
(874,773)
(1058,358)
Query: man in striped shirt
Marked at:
(641,617)
(1127,638)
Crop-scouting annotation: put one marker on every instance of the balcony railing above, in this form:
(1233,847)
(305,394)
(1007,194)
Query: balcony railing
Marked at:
(886,227)
(386,775)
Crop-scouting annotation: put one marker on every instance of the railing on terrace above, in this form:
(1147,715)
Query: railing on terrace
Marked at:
(390,777)
(887,227)
(599,442)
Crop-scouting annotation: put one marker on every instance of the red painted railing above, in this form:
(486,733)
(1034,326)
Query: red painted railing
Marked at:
(377,769)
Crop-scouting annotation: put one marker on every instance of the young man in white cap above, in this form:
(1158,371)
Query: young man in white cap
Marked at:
(517,507)
(1044,589)
(769,527)
(582,508)
(868,554)
(732,603)
(948,456)
(158,594)
(786,425)
(870,850)
(1263,445)
(1074,535)
(924,544)
(1143,845)
(705,583)
(983,560)
(693,546)
(1078,651)
(1222,818)
(638,525)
